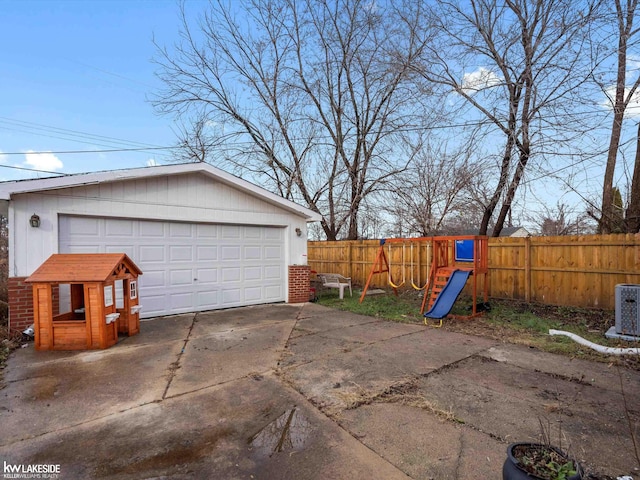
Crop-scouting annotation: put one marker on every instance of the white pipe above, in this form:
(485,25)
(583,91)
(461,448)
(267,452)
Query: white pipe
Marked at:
(595,346)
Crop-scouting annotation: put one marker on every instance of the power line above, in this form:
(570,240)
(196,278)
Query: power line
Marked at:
(68,132)
(57,152)
(107,141)
(111,144)
(112,140)
(113,74)
(33,170)
(95,143)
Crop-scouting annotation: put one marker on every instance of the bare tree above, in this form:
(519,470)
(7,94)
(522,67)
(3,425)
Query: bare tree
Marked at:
(620,98)
(561,220)
(435,188)
(312,94)
(195,143)
(533,49)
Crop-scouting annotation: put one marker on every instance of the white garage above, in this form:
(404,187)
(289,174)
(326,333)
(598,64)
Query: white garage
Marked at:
(203,238)
(188,266)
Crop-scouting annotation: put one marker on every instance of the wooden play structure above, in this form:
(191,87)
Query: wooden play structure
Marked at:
(103,291)
(453,260)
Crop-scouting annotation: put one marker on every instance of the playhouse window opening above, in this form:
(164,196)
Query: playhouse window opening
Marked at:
(119,290)
(71,302)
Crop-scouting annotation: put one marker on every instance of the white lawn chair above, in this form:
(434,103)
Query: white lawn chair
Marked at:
(335,280)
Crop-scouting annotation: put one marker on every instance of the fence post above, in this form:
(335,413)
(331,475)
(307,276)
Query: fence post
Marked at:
(350,259)
(527,269)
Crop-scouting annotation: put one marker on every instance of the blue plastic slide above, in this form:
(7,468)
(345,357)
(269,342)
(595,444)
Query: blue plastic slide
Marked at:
(449,294)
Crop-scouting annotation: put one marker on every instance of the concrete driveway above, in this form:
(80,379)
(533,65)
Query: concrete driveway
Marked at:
(306,392)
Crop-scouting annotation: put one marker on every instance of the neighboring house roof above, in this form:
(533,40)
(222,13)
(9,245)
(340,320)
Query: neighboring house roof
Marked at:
(10,188)
(81,267)
(514,232)
(505,232)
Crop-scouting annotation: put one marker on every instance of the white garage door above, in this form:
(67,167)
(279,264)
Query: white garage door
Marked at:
(187,267)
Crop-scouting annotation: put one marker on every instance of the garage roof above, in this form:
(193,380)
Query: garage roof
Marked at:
(82,267)
(10,188)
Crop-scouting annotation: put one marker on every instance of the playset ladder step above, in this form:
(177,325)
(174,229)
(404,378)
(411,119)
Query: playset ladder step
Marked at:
(439,282)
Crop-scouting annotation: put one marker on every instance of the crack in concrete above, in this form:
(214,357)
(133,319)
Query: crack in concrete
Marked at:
(25,379)
(306,333)
(241,328)
(362,345)
(173,368)
(455,364)
(460,454)
(79,424)
(219,384)
(286,343)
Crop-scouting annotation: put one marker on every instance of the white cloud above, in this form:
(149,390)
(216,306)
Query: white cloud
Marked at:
(3,157)
(480,79)
(152,162)
(633,65)
(43,161)
(633,109)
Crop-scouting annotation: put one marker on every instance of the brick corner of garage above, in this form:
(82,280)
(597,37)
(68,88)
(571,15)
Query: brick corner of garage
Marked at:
(20,304)
(299,283)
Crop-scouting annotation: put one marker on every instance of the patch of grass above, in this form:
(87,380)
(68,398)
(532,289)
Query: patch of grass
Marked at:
(408,393)
(388,306)
(403,393)
(526,321)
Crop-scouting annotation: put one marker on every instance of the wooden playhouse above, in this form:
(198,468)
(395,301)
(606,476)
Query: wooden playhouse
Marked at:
(100,292)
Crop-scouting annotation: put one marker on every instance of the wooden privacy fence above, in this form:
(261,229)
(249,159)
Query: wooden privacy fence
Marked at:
(579,271)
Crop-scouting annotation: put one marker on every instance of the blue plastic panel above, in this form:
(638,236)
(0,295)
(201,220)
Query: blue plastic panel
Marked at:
(464,251)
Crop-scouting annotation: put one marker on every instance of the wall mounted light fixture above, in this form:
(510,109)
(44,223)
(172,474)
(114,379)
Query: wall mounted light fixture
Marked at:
(34,221)
(298,232)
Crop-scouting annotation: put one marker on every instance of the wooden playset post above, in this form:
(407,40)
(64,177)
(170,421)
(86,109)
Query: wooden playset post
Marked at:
(380,265)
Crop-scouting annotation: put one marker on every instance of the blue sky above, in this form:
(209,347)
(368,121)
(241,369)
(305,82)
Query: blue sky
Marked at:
(78,74)
(85,67)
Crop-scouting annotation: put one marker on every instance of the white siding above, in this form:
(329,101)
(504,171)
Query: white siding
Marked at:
(187,198)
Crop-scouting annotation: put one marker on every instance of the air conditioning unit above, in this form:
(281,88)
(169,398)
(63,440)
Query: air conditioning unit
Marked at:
(628,309)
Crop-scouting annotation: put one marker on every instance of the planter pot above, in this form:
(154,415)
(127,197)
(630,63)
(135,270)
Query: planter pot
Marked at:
(512,470)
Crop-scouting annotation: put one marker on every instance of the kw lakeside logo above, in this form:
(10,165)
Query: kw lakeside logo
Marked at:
(38,470)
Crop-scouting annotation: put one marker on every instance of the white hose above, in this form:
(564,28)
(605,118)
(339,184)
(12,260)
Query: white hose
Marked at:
(595,346)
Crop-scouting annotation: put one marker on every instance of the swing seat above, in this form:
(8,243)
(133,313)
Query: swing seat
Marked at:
(335,280)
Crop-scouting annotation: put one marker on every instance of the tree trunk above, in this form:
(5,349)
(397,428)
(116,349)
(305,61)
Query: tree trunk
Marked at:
(490,208)
(606,219)
(511,192)
(331,236)
(633,211)
(353,226)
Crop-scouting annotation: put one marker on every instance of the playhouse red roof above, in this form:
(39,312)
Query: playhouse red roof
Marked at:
(82,267)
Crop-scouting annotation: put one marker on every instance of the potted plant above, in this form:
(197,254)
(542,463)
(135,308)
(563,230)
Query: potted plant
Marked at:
(539,461)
